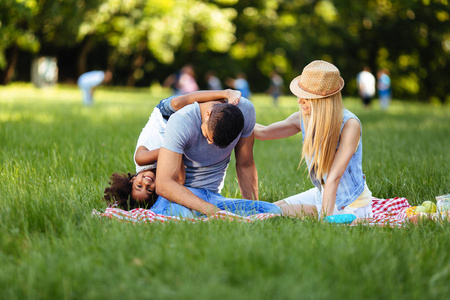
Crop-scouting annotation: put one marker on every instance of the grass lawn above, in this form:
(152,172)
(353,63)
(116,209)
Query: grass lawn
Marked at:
(56,157)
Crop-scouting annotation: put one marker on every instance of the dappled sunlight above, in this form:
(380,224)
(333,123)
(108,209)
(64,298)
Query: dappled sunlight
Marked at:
(26,92)
(43,118)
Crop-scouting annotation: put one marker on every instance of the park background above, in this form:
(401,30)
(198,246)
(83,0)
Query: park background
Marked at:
(56,154)
(144,41)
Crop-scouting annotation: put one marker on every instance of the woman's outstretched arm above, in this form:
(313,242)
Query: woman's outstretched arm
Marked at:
(280,129)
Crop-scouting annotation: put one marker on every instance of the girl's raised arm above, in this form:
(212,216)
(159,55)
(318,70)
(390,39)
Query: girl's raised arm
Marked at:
(232,96)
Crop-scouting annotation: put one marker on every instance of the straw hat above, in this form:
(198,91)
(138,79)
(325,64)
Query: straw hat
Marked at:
(319,79)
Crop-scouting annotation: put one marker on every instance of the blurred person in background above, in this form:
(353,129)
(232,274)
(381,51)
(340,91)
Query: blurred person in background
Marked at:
(212,81)
(366,86)
(182,82)
(384,88)
(276,87)
(240,84)
(88,81)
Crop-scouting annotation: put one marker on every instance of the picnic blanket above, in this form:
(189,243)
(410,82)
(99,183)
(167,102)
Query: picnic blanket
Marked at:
(386,212)
(140,215)
(389,212)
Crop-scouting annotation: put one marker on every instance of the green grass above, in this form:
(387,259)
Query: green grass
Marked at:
(56,157)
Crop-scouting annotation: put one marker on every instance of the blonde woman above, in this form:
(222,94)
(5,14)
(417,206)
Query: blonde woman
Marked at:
(332,147)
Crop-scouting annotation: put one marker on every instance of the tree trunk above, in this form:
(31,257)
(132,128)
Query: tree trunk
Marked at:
(82,59)
(12,55)
(138,61)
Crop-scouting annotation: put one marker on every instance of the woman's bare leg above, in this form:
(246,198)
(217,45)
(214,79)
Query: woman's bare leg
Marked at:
(362,221)
(298,210)
(279,202)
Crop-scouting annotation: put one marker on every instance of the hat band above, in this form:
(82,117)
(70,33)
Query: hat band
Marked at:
(318,93)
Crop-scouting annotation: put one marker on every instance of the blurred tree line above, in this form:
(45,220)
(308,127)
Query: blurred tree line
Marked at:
(144,41)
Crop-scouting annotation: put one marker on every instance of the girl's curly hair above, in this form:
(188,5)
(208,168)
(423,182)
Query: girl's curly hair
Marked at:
(119,192)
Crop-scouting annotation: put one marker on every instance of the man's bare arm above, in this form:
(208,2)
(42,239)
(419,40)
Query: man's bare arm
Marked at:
(167,185)
(246,168)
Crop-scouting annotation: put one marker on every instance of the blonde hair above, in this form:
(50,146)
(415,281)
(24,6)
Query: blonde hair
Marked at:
(322,131)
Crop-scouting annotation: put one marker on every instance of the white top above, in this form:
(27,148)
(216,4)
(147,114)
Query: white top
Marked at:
(151,136)
(91,79)
(366,82)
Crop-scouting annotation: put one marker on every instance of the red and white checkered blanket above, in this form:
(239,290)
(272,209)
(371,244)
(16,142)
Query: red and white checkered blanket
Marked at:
(140,215)
(390,212)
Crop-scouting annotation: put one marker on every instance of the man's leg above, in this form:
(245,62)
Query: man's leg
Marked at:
(87,96)
(166,207)
(242,207)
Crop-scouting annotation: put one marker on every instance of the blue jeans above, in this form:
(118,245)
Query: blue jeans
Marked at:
(240,207)
(87,95)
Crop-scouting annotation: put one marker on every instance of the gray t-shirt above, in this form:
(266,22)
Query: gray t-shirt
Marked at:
(205,164)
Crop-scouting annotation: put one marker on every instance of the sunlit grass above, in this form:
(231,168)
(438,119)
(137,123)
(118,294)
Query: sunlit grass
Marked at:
(56,156)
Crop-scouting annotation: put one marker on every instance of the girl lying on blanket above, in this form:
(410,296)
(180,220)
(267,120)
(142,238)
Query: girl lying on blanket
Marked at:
(129,191)
(332,146)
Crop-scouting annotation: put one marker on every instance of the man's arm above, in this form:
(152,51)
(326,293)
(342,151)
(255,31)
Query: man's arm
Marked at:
(246,168)
(167,185)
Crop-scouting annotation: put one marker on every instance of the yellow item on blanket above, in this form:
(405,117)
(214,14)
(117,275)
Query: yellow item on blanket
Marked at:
(410,211)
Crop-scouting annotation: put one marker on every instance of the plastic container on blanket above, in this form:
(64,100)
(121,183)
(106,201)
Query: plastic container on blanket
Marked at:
(443,204)
(340,219)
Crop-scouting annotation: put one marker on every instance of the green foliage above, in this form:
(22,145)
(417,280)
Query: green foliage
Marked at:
(55,159)
(13,16)
(410,38)
(160,27)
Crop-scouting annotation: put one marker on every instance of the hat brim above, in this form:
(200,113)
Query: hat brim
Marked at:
(297,91)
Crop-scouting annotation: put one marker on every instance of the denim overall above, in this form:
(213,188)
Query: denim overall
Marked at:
(353,180)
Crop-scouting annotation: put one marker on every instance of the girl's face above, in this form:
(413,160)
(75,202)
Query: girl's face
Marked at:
(143,186)
(305,106)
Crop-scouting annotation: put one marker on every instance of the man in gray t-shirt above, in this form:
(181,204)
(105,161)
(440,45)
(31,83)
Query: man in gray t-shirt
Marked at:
(190,139)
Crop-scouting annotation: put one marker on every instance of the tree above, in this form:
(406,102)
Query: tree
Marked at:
(27,25)
(141,30)
(411,38)
(15,34)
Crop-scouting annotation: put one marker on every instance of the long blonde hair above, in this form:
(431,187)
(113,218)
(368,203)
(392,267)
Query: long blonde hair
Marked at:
(322,132)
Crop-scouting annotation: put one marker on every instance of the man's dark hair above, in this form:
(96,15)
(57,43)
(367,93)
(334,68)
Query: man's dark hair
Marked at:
(119,193)
(226,123)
